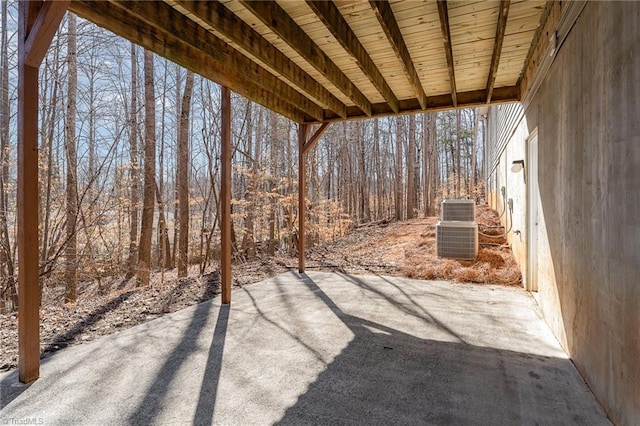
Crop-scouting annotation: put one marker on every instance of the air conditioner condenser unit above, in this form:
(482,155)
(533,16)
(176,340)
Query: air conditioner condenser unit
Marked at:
(461,210)
(457,240)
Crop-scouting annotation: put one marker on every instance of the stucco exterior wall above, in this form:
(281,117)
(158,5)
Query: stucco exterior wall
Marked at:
(587,114)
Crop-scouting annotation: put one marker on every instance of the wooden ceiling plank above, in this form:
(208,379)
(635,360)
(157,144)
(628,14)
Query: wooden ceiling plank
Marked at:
(497,49)
(384,13)
(278,21)
(446,38)
(331,17)
(123,23)
(228,24)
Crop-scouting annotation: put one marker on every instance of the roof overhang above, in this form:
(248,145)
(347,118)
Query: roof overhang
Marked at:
(319,61)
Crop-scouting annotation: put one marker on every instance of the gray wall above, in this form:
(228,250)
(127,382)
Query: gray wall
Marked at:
(587,112)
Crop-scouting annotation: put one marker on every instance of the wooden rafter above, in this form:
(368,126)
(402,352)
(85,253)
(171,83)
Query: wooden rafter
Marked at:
(274,17)
(331,17)
(44,28)
(217,16)
(446,38)
(147,36)
(497,47)
(388,22)
(170,23)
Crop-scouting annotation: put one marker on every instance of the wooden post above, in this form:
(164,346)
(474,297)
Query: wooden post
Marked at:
(37,23)
(225,198)
(302,190)
(27,196)
(29,293)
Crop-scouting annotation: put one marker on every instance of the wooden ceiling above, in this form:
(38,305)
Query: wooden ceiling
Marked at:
(320,61)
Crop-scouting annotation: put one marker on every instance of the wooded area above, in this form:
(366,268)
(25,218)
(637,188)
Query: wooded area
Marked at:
(130,166)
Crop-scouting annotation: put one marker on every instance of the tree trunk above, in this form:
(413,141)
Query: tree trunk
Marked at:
(183,177)
(248,241)
(411,160)
(71,265)
(426,156)
(362,177)
(6,259)
(458,163)
(272,184)
(163,231)
(146,228)
(164,250)
(474,153)
(378,165)
(399,173)
(133,167)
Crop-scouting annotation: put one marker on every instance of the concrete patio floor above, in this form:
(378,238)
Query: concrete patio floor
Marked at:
(321,348)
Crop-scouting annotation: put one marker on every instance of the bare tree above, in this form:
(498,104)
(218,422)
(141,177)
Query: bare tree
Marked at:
(71,265)
(183,176)
(133,167)
(146,227)
(6,259)
(458,164)
(399,173)
(411,159)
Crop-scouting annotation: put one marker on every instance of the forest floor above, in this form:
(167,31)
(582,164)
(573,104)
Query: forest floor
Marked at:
(391,248)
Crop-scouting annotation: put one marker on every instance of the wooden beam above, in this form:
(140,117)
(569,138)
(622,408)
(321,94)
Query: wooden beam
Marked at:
(497,47)
(388,22)
(121,22)
(329,14)
(274,17)
(225,198)
(446,38)
(171,23)
(44,28)
(539,47)
(218,17)
(303,129)
(436,103)
(314,139)
(27,192)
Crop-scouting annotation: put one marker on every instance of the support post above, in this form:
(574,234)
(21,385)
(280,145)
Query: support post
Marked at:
(27,208)
(29,290)
(37,24)
(225,198)
(302,190)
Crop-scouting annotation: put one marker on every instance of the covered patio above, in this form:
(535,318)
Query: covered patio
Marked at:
(314,62)
(321,348)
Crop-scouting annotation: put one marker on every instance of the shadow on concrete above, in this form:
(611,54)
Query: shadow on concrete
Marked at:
(209,388)
(11,388)
(152,403)
(448,382)
(416,310)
